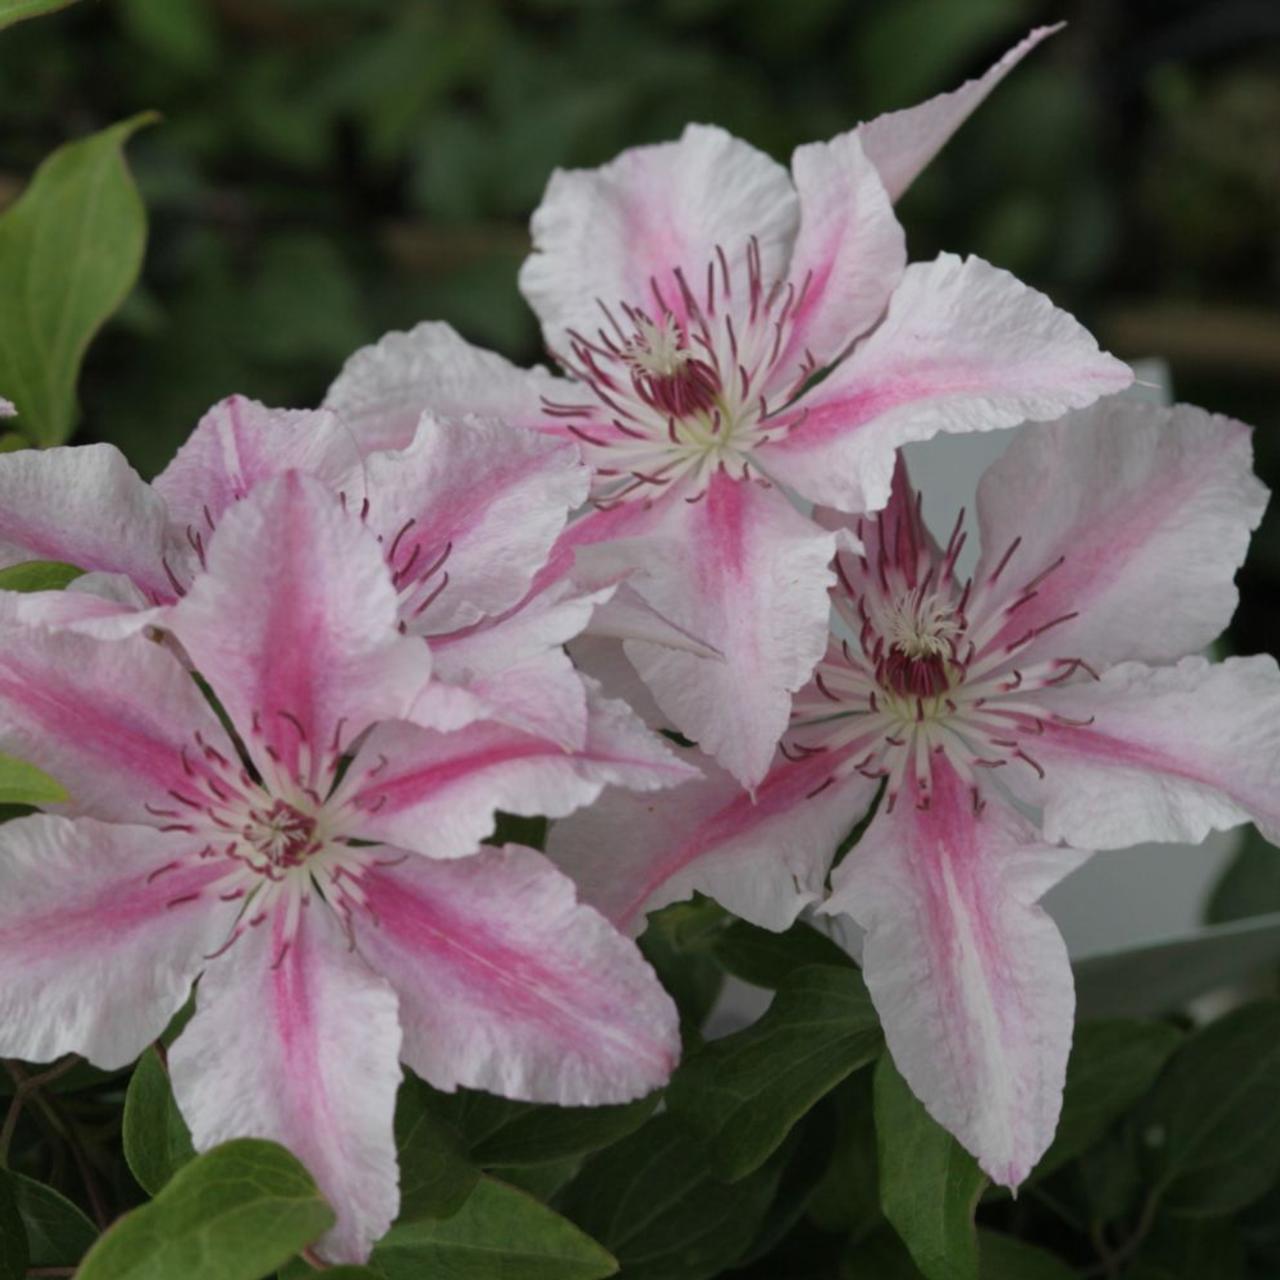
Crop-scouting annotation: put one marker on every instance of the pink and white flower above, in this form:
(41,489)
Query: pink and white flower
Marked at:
(1055,682)
(321,868)
(693,292)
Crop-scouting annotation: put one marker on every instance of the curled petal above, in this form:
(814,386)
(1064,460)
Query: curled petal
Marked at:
(506,983)
(901,143)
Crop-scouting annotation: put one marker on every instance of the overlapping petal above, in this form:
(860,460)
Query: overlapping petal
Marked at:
(744,571)
(300,1045)
(507,984)
(437,793)
(103,929)
(963,347)
(294,625)
(468,514)
(970,977)
(384,389)
(87,506)
(240,443)
(764,859)
(1137,516)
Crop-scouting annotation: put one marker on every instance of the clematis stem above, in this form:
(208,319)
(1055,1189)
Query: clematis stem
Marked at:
(25,1086)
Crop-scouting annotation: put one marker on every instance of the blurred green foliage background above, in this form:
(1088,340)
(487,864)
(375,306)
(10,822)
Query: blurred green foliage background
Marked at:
(329,169)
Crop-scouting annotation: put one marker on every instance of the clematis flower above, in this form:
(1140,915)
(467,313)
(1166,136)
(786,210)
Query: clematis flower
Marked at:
(1054,682)
(467,514)
(319,871)
(727,328)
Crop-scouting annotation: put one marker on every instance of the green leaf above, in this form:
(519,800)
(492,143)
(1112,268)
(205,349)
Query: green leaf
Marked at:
(1212,1122)
(70,250)
(38,575)
(12,11)
(847,1200)
(1112,1065)
(499,1232)
(498,1131)
(15,1255)
(653,1201)
(156,1140)
(881,1256)
(58,1234)
(234,1213)
(23,783)
(765,958)
(929,1184)
(301,1269)
(435,1175)
(744,1092)
(1002,1257)
(679,942)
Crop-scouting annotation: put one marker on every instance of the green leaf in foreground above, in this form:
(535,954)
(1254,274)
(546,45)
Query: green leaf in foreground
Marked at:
(1112,1065)
(15,1256)
(58,1234)
(653,1201)
(234,1213)
(12,11)
(300,1269)
(23,783)
(744,1093)
(38,575)
(1212,1122)
(70,251)
(156,1141)
(929,1184)
(498,1232)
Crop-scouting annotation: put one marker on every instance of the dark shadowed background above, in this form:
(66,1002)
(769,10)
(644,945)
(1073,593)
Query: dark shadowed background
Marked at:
(329,169)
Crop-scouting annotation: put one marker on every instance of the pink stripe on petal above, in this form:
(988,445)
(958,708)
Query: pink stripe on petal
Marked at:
(1163,753)
(743,571)
(969,976)
(108,718)
(103,928)
(506,984)
(963,346)
(437,793)
(299,1044)
(765,861)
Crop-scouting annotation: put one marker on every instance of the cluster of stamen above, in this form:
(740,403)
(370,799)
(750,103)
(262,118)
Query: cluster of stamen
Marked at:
(281,835)
(689,383)
(923,666)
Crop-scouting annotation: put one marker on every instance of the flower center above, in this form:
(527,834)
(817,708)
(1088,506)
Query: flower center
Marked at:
(282,834)
(926,666)
(686,383)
